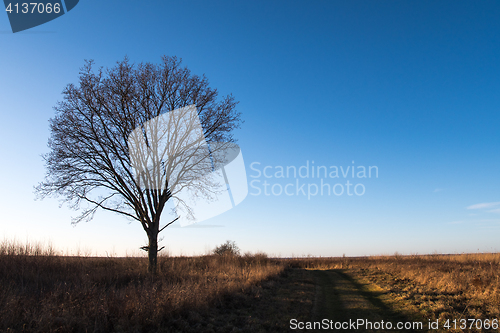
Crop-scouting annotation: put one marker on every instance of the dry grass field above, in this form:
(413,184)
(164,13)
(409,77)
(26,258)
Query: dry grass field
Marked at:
(41,291)
(426,287)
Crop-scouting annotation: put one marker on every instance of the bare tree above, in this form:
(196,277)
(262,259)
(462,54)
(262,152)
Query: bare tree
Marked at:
(111,146)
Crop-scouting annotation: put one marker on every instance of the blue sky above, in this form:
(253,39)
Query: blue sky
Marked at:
(409,87)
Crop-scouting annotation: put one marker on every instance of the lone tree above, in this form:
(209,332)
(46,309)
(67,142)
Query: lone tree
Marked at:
(97,157)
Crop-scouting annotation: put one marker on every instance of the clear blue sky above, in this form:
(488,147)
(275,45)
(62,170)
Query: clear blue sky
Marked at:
(409,87)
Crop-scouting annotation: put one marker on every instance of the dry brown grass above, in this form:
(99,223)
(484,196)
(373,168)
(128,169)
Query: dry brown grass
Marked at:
(43,292)
(436,286)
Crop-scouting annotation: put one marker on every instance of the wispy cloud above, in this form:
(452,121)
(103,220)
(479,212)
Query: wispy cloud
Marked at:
(484,205)
(495,211)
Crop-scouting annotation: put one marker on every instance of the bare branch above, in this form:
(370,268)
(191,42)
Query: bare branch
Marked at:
(90,161)
(166,225)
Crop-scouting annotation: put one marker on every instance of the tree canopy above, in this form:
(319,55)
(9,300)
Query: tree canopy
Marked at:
(91,164)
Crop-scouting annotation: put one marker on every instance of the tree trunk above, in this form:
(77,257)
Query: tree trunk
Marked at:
(153,252)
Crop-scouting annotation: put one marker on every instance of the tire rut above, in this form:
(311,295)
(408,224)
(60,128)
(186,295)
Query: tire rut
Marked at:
(340,298)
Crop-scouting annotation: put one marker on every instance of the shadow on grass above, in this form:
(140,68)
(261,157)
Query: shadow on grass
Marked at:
(75,294)
(342,300)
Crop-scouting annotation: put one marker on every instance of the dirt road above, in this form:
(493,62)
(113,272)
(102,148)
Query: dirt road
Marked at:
(342,299)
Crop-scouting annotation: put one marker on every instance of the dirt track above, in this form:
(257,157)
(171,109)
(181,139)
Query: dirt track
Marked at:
(342,299)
